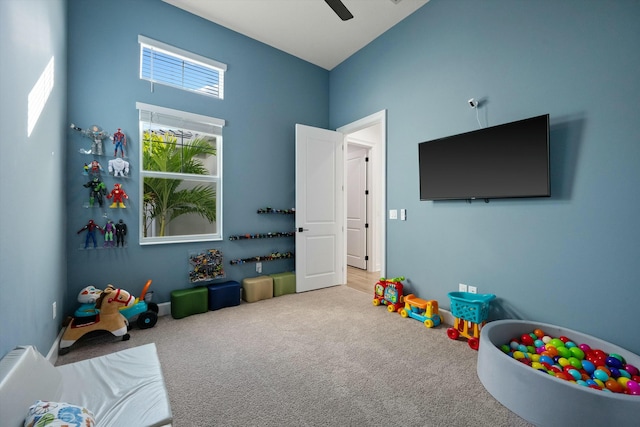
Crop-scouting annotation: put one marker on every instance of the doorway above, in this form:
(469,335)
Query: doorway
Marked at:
(368,135)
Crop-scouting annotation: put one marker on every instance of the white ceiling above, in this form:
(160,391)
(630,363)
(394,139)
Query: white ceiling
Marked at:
(308,29)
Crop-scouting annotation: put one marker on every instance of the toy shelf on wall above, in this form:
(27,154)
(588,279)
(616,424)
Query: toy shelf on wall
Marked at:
(271,257)
(274,255)
(269,210)
(262,235)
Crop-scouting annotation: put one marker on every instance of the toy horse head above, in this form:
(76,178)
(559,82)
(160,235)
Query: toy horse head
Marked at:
(112,299)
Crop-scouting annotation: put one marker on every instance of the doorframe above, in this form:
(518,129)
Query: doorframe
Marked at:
(378,168)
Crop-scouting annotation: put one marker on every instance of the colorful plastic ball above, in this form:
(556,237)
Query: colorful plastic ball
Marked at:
(546,339)
(534,357)
(614,386)
(575,374)
(615,372)
(570,344)
(577,352)
(613,362)
(547,360)
(564,376)
(582,383)
(563,362)
(526,339)
(623,381)
(538,343)
(575,362)
(631,369)
(537,365)
(556,342)
(538,332)
(599,374)
(564,352)
(514,345)
(505,348)
(518,355)
(564,339)
(522,348)
(624,374)
(588,366)
(584,347)
(599,382)
(633,387)
(619,357)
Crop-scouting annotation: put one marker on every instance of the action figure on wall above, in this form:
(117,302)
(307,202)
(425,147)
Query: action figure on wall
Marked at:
(118,194)
(120,140)
(109,229)
(118,167)
(97,189)
(90,228)
(94,169)
(96,134)
(121,231)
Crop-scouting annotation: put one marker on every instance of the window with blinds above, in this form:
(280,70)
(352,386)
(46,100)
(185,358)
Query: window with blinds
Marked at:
(168,65)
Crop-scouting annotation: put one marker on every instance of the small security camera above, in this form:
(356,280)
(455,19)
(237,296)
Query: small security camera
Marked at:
(473,103)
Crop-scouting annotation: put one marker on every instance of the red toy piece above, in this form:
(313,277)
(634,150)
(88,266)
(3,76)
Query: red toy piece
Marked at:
(389,293)
(117,194)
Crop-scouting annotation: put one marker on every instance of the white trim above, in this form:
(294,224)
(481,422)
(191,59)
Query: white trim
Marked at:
(181,52)
(376,118)
(181,114)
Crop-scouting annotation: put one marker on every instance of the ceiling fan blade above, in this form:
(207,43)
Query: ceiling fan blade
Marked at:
(340,9)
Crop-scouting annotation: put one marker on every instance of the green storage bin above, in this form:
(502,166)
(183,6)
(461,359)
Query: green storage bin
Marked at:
(284,283)
(185,302)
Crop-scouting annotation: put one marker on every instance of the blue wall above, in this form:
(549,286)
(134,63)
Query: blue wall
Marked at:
(32,193)
(569,260)
(266,93)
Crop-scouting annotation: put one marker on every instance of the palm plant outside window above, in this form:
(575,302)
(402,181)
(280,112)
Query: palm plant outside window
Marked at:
(181,176)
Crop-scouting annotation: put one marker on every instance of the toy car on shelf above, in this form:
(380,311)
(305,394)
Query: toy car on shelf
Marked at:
(147,312)
(470,312)
(424,311)
(389,292)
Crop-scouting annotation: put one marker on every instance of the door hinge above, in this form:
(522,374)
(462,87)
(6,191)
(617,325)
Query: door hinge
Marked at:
(366,257)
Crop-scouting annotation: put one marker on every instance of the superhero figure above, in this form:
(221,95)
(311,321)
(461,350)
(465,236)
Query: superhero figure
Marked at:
(94,169)
(119,167)
(97,190)
(96,134)
(120,140)
(121,231)
(117,194)
(91,232)
(109,228)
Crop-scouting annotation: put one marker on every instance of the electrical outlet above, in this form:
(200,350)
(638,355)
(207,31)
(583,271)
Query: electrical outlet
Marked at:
(54,309)
(462,287)
(393,214)
(473,290)
(258,267)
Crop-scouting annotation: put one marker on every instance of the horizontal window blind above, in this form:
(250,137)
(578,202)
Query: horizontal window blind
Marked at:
(172,66)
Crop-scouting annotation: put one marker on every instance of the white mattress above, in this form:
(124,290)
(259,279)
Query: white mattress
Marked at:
(125,388)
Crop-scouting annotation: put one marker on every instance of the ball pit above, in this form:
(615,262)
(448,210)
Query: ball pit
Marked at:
(559,399)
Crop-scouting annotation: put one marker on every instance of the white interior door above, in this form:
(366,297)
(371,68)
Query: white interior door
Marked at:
(356,207)
(319,208)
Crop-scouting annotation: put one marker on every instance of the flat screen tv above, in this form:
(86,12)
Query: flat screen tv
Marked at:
(504,161)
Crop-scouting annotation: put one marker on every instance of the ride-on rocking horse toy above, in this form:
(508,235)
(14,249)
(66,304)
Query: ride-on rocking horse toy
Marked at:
(108,318)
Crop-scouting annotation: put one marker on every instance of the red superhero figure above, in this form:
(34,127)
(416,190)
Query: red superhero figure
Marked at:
(120,140)
(117,194)
(91,232)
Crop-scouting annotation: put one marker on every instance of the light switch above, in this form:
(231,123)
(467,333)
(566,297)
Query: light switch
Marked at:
(403,214)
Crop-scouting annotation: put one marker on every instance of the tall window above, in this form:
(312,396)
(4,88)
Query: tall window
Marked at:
(181,176)
(172,66)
